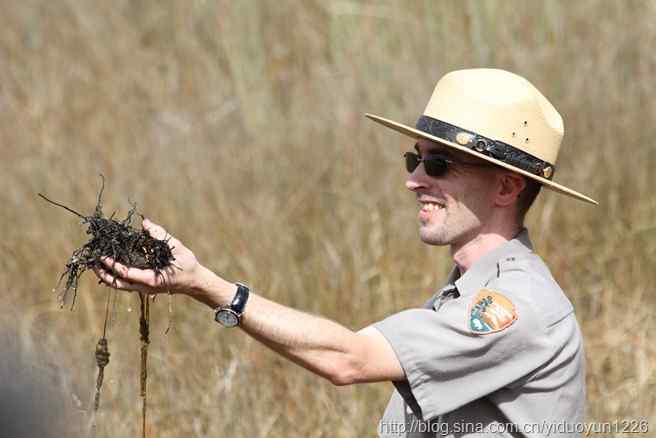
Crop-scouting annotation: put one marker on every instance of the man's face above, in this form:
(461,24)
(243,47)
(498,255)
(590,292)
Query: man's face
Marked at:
(454,207)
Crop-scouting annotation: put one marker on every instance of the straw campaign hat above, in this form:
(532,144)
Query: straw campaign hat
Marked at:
(496,116)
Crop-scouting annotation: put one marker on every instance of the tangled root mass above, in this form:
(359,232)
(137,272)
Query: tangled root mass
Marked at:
(115,239)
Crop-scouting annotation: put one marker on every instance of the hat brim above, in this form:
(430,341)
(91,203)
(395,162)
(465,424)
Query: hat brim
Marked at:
(415,133)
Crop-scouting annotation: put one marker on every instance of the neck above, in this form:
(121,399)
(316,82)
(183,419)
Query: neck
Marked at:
(466,254)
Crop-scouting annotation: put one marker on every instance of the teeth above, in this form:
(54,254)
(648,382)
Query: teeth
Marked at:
(430,206)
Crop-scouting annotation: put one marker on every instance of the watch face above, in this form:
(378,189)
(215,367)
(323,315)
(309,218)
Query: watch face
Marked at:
(227,318)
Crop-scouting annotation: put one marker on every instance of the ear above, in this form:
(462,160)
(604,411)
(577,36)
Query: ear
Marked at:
(510,185)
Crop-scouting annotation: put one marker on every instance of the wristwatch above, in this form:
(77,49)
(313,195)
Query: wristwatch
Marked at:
(230,315)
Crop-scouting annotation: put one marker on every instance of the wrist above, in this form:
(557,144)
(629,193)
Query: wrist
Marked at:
(210,289)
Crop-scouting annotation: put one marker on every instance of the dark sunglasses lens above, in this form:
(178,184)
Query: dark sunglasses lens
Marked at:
(435,166)
(411,161)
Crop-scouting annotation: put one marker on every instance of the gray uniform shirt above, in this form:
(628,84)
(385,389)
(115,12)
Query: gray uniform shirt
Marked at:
(497,352)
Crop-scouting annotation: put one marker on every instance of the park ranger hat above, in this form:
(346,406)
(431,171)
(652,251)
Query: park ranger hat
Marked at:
(496,116)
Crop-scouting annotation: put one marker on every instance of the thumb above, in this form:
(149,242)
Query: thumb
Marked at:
(155,230)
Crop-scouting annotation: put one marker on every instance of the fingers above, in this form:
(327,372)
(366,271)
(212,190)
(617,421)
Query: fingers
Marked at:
(116,282)
(113,265)
(127,278)
(146,277)
(156,231)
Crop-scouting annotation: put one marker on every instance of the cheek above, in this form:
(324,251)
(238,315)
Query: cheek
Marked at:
(479,195)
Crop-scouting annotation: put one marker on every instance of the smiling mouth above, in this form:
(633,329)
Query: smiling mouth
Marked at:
(431,206)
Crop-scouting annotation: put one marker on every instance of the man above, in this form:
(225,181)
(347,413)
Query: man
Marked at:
(499,343)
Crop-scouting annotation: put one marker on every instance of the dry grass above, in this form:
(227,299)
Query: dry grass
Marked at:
(239,126)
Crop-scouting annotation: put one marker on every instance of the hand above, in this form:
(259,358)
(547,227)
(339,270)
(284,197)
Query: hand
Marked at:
(180,277)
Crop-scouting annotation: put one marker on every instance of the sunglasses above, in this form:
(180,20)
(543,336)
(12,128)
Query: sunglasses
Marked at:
(435,165)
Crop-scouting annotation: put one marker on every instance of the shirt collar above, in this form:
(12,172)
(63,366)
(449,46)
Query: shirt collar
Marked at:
(487,266)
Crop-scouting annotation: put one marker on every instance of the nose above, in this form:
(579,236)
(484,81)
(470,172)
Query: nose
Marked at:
(417,179)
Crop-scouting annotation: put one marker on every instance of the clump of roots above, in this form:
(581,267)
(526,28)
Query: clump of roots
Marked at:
(130,247)
(115,239)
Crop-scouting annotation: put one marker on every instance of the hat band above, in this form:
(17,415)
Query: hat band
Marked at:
(492,148)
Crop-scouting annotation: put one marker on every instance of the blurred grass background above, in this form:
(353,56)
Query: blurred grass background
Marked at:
(239,127)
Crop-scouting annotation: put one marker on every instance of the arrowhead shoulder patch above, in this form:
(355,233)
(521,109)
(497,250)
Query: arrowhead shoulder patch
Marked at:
(490,312)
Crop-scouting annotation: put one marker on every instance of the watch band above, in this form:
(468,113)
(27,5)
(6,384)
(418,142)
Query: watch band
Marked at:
(241,297)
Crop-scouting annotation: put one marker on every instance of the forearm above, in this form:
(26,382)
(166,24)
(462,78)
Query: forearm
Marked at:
(318,344)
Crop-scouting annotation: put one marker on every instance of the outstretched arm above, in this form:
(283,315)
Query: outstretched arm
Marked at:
(320,345)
